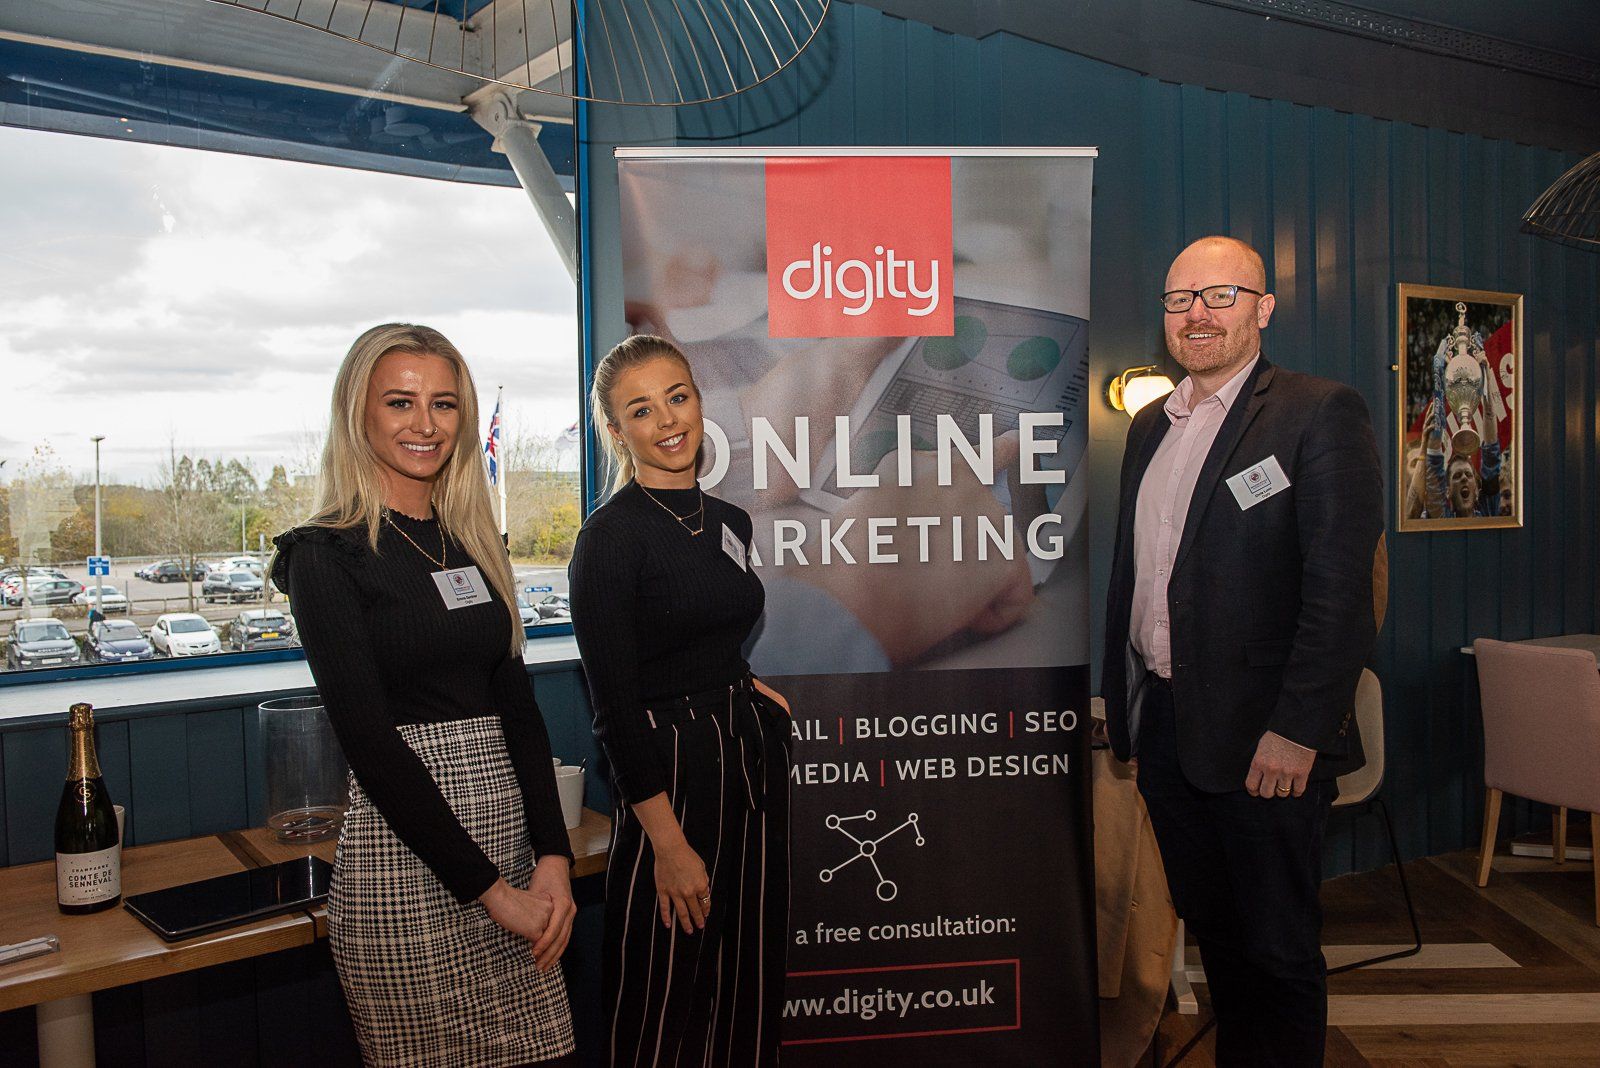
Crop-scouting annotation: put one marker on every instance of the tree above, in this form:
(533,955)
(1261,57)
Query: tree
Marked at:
(235,480)
(541,501)
(41,498)
(8,541)
(191,520)
(74,538)
(290,490)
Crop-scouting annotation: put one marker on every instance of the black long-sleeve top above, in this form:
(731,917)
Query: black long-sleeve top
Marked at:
(658,613)
(385,651)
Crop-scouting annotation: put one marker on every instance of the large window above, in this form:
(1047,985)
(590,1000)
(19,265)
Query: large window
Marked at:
(177,316)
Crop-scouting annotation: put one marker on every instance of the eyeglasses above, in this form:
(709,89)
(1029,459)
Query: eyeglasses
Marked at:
(1181,300)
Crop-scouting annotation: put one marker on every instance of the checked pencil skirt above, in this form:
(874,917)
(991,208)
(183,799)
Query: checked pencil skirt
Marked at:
(429,981)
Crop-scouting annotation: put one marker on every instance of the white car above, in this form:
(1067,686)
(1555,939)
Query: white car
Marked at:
(111,599)
(236,563)
(184,634)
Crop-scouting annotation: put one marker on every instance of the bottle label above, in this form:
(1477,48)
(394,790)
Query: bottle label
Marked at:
(89,878)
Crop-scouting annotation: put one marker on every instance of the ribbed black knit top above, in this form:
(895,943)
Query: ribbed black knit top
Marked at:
(384,650)
(658,613)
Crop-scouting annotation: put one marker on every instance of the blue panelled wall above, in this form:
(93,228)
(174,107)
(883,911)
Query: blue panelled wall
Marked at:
(1343,207)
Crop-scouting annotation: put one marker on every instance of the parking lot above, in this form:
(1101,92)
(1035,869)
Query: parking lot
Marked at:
(148,600)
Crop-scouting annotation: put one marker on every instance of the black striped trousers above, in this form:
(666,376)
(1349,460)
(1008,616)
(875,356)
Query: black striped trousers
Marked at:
(712,999)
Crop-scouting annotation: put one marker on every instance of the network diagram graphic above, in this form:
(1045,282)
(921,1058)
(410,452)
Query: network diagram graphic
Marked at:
(867,848)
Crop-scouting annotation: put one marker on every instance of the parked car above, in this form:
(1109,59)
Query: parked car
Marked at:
(554,608)
(32,569)
(111,600)
(115,641)
(43,590)
(261,628)
(527,609)
(231,586)
(40,643)
(173,571)
(10,573)
(242,563)
(184,634)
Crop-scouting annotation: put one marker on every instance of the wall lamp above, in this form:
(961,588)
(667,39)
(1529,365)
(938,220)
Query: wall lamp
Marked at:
(1136,387)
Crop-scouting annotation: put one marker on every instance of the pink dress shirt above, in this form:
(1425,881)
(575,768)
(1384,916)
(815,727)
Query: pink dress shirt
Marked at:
(1163,506)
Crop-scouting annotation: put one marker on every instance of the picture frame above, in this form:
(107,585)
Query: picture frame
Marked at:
(1458,453)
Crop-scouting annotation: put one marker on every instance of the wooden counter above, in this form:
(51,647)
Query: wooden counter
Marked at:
(111,948)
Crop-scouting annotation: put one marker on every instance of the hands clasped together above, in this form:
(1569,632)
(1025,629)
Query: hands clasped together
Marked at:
(542,913)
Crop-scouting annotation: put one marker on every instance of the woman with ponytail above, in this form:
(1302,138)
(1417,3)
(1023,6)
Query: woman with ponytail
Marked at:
(663,598)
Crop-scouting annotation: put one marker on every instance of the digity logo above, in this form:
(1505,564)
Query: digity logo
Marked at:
(859,246)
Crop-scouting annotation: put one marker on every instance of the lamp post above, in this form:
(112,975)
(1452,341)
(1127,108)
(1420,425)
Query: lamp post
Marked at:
(97,439)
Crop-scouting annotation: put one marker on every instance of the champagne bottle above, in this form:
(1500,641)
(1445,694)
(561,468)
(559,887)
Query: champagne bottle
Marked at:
(88,848)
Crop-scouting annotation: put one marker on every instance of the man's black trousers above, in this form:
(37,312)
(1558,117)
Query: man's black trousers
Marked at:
(1245,874)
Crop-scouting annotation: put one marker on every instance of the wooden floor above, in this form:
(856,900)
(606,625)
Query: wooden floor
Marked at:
(1511,975)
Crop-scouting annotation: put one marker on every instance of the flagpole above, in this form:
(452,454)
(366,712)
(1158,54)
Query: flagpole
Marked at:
(500,458)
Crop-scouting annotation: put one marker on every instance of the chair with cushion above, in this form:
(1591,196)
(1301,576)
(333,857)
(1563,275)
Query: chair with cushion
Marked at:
(1541,735)
(1360,788)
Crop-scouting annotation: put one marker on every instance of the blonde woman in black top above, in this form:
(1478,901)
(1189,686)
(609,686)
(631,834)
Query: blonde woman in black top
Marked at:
(451,902)
(663,597)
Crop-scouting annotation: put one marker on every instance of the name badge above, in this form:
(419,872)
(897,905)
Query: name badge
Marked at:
(733,547)
(461,586)
(1254,485)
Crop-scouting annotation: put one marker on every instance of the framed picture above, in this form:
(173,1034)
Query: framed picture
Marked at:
(1460,433)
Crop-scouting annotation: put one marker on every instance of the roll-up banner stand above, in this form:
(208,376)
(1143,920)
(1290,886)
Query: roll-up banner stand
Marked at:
(891,346)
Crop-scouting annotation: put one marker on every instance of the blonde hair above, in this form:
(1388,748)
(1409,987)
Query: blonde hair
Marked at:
(636,350)
(349,492)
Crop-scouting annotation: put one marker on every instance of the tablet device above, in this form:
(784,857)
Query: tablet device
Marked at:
(180,912)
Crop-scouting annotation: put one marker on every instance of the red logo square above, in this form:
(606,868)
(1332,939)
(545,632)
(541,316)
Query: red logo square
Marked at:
(859,246)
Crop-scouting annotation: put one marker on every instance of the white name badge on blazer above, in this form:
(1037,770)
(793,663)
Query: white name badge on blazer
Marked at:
(461,586)
(1254,485)
(733,547)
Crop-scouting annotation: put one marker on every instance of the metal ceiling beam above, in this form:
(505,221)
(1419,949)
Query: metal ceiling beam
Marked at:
(519,140)
(200,35)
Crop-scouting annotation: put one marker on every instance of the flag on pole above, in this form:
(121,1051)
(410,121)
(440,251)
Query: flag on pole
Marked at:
(491,445)
(491,452)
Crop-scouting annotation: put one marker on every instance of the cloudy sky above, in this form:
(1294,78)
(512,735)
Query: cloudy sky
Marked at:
(157,295)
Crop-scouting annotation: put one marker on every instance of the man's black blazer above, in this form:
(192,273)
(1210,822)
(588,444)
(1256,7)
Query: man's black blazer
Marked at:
(1271,608)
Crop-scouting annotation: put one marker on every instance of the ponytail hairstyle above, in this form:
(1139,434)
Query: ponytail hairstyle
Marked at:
(349,493)
(636,350)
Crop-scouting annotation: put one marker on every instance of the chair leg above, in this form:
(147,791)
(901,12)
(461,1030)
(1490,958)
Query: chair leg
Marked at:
(1405,893)
(1558,834)
(1491,824)
(1400,870)
(1594,853)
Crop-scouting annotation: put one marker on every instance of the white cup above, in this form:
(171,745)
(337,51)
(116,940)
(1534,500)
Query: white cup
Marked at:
(120,811)
(569,783)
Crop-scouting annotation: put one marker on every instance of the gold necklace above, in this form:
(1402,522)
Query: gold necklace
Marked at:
(443,552)
(700,511)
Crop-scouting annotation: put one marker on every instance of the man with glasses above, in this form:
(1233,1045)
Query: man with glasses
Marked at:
(1239,617)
